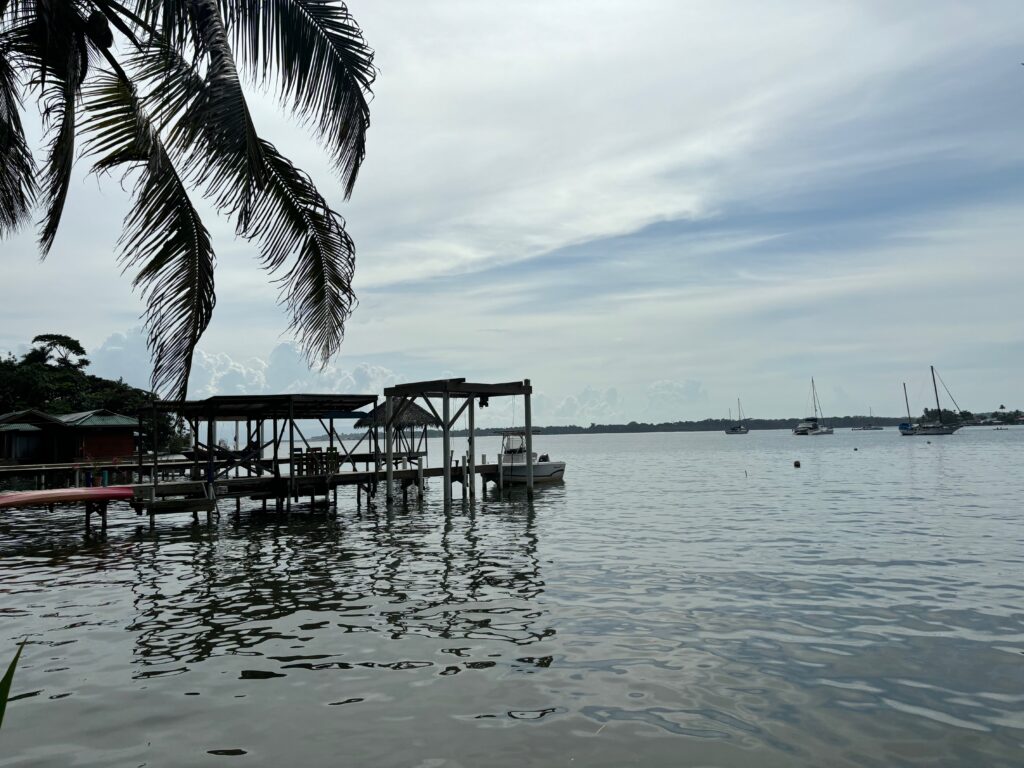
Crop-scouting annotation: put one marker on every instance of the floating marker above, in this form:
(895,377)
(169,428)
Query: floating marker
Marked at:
(796,464)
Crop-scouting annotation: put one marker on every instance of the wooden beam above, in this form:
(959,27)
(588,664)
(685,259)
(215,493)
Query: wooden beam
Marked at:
(421,387)
(455,418)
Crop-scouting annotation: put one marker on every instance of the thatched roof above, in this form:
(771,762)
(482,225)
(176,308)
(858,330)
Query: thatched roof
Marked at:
(412,416)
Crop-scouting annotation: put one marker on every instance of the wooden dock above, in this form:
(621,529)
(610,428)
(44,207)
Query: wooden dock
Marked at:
(276,469)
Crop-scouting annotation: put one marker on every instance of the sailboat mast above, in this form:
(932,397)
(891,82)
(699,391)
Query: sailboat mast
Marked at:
(935,386)
(739,410)
(906,400)
(814,399)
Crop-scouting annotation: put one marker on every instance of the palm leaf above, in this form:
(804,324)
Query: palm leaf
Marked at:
(218,124)
(323,67)
(51,40)
(285,213)
(292,219)
(17,167)
(8,679)
(60,114)
(164,237)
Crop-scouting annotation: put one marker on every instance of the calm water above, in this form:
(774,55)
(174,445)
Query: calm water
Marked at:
(682,600)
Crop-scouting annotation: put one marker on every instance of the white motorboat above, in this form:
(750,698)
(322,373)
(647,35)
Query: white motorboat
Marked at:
(512,466)
(813,425)
(927,428)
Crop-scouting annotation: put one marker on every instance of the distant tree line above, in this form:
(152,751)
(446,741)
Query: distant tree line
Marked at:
(51,377)
(717,425)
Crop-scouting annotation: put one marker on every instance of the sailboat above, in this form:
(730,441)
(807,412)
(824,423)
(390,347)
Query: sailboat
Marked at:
(812,424)
(927,427)
(870,426)
(739,428)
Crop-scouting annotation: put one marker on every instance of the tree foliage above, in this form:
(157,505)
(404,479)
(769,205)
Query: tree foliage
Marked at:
(63,347)
(54,388)
(153,89)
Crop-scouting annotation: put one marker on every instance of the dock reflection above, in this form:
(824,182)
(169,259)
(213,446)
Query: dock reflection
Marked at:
(470,576)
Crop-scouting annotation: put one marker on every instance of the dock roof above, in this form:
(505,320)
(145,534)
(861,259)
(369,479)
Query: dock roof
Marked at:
(411,415)
(458,388)
(243,407)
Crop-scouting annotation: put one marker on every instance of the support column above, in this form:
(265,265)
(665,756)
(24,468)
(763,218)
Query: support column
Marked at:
(446,440)
(389,446)
(330,428)
(472,450)
(211,442)
(140,447)
(529,441)
(156,451)
(291,451)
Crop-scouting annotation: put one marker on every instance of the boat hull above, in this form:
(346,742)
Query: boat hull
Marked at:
(816,431)
(917,430)
(543,472)
(65,496)
(736,431)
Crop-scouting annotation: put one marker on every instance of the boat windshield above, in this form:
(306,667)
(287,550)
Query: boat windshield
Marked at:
(515,443)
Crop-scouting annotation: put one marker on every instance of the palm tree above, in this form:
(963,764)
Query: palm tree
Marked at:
(152,88)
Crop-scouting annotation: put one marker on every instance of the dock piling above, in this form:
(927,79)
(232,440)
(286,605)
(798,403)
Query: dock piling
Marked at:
(446,438)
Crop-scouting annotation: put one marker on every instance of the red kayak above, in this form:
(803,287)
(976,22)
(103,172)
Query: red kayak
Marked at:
(64,496)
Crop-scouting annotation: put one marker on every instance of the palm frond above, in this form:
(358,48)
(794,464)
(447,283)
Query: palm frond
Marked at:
(220,117)
(292,218)
(170,20)
(323,68)
(284,213)
(164,237)
(51,41)
(17,167)
(60,114)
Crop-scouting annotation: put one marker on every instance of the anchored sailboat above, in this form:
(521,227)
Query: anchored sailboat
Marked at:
(739,428)
(928,427)
(870,426)
(812,424)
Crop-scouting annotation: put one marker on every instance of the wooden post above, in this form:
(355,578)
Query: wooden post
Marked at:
(259,438)
(472,450)
(419,475)
(446,439)
(529,442)
(464,462)
(156,453)
(211,441)
(389,446)
(291,451)
(141,464)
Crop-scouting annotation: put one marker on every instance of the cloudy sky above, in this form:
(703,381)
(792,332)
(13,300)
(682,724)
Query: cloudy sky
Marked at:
(648,207)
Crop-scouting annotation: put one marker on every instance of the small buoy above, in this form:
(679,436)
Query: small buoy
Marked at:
(856,449)
(796,464)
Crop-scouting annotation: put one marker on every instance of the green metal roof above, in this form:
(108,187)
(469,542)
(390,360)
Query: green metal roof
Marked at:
(97,418)
(19,428)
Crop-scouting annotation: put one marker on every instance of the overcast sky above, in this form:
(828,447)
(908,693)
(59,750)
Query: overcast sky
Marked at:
(650,208)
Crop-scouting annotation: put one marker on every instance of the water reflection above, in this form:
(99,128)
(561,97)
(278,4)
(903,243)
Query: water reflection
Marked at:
(469,575)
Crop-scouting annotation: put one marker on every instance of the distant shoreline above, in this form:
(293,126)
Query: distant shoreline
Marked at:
(705,425)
